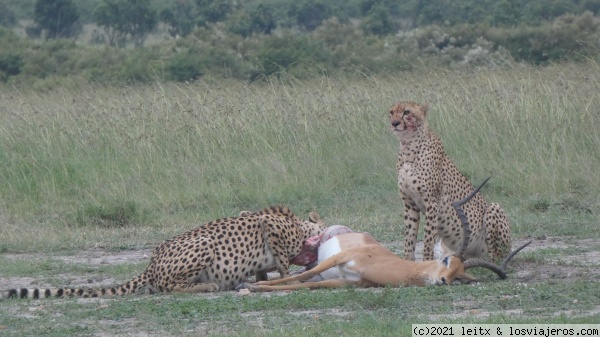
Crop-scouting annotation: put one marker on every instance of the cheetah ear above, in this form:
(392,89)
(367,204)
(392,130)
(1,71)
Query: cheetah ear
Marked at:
(245,213)
(425,109)
(314,217)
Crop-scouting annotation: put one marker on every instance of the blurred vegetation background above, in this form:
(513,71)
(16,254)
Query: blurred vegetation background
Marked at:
(46,43)
(122,113)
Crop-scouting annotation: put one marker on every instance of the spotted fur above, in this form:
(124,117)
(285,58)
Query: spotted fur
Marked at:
(214,257)
(429,183)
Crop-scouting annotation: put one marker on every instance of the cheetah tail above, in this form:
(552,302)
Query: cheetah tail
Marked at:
(35,293)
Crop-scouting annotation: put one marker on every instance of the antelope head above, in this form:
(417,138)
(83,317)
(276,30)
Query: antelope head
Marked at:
(446,271)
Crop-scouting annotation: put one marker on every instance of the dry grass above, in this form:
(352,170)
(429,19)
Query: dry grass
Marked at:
(162,158)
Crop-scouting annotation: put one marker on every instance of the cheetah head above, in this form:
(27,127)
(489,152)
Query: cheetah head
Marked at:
(407,117)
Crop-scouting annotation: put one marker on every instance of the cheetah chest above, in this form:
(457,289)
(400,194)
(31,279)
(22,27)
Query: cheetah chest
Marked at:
(407,175)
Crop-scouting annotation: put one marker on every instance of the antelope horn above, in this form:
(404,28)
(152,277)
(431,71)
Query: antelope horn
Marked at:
(463,218)
(512,254)
(499,270)
(477,262)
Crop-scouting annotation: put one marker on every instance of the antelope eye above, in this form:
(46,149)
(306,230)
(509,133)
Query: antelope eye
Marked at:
(406,112)
(445,260)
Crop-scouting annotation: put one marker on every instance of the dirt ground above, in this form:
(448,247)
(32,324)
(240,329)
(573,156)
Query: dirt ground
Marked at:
(547,259)
(571,259)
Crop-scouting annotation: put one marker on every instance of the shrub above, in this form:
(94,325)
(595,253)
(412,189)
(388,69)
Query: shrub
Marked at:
(260,20)
(310,13)
(11,59)
(378,21)
(567,37)
(184,66)
(10,65)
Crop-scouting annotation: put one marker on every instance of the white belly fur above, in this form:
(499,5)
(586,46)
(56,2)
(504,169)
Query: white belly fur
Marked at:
(328,249)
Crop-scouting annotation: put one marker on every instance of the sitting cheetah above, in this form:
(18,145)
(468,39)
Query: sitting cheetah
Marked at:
(216,256)
(429,183)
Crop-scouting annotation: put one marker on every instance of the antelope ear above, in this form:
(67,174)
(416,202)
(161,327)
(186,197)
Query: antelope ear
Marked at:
(466,278)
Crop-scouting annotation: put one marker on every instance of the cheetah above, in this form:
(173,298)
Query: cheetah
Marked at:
(216,256)
(429,183)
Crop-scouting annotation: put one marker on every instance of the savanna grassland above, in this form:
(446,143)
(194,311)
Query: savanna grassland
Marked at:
(103,172)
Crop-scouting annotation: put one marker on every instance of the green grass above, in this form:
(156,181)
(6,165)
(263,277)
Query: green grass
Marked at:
(349,312)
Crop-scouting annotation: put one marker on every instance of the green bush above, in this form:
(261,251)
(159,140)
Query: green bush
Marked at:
(10,65)
(567,37)
(11,58)
(496,12)
(50,58)
(184,66)
(334,47)
(310,13)
(260,20)
(378,21)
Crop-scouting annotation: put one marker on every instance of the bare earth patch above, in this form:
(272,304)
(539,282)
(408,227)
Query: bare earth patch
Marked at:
(571,259)
(93,257)
(567,264)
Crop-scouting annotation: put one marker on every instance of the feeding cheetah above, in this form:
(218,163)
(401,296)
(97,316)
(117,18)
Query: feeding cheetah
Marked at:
(214,257)
(429,183)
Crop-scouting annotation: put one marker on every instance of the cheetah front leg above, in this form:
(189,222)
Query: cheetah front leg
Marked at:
(411,226)
(275,246)
(280,256)
(431,225)
(281,259)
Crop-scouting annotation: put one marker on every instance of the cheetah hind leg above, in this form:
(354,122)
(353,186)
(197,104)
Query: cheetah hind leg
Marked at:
(195,287)
(196,278)
(498,232)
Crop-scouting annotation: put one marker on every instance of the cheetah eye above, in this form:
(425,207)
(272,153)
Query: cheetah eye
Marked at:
(406,112)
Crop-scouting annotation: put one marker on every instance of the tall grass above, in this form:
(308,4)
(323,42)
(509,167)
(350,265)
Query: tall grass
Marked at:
(86,159)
